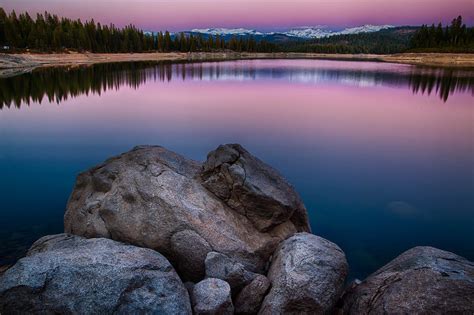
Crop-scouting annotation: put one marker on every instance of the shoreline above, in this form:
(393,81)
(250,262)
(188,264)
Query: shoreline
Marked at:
(13,64)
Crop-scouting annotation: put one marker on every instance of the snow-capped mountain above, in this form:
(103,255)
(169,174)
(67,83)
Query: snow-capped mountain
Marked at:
(365,29)
(309,32)
(320,32)
(300,32)
(227,31)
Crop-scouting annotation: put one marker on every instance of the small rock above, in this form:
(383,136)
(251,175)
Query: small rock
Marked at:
(422,280)
(189,251)
(65,274)
(250,298)
(307,275)
(222,267)
(212,297)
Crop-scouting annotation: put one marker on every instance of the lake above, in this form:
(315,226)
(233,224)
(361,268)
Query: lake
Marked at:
(382,154)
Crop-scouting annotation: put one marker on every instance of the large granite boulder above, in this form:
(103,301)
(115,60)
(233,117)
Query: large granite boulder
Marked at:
(154,198)
(422,280)
(212,297)
(250,299)
(65,274)
(307,276)
(253,188)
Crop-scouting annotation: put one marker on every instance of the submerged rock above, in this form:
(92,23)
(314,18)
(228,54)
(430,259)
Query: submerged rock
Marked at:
(65,274)
(422,280)
(253,188)
(307,276)
(212,297)
(250,298)
(154,198)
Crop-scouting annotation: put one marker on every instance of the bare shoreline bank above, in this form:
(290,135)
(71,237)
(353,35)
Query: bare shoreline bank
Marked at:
(11,64)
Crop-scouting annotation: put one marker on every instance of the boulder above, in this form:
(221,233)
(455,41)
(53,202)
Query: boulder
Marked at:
(422,280)
(307,276)
(253,188)
(189,250)
(152,197)
(65,274)
(250,299)
(222,267)
(212,297)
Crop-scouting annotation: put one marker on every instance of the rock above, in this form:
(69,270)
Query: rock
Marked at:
(65,274)
(307,275)
(250,298)
(222,267)
(253,188)
(190,251)
(154,198)
(422,280)
(212,297)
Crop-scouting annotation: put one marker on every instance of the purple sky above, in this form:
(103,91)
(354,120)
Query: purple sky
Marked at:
(177,15)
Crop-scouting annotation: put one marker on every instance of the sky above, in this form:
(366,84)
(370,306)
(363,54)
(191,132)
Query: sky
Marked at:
(265,15)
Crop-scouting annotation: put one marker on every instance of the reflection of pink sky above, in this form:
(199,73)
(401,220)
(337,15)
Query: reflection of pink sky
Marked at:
(266,14)
(332,114)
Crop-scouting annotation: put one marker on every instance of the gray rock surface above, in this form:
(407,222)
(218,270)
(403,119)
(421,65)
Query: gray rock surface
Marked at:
(422,280)
(250,298)
(65,274)
(189,250)
(212,297)
(307,276)
(222,267)
(152,197)
(253,188)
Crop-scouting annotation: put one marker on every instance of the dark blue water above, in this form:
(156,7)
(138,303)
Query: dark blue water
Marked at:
(382,154)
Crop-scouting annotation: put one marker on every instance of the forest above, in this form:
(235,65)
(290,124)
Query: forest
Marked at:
(386,41)
(454,38)
(50,33)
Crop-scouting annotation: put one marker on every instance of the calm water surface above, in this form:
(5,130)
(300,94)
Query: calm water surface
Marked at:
(382,154)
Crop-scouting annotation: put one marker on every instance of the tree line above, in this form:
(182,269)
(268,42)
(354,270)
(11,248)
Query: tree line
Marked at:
(456,37)
(382,42)
(47,32)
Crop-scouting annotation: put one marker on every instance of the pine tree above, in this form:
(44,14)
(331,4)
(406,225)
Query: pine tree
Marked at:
(167,41)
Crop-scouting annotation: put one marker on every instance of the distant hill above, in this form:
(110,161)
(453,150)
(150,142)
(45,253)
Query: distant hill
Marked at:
(384,41)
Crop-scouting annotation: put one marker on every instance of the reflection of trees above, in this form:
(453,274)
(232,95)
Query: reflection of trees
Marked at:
(59,84)
(442,82)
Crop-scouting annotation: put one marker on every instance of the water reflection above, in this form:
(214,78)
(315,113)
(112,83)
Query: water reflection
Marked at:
(59,84)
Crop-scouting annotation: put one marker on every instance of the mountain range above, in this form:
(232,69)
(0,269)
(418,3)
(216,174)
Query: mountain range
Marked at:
(309,32)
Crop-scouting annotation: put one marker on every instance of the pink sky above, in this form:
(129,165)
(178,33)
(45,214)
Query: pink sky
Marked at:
(260,14)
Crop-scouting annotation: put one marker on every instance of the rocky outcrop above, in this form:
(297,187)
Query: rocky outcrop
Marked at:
(65,274)
(307,275)
(253,188)
(230,220)
(212,297)
(222,267)
(250,298)
(154,198)
(422,280)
